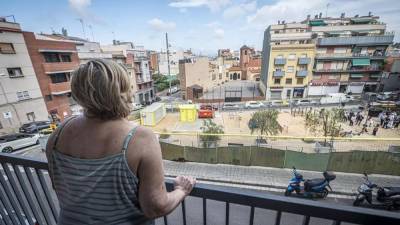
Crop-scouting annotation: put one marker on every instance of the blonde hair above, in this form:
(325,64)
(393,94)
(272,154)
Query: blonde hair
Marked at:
(103,88)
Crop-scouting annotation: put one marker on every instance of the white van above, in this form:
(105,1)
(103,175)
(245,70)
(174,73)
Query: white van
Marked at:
(335,98)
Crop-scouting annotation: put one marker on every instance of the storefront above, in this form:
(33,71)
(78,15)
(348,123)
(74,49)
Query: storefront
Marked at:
(298,92)
(355,87)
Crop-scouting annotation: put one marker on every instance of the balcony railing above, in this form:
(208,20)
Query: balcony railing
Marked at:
(301,73)
(349,55)
(280,61)
(279,73)
(59,67)
(27,197)
(349,70)
(304,61)
(60,88)
(357,40)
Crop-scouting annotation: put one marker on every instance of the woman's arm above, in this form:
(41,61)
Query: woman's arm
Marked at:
(154,199)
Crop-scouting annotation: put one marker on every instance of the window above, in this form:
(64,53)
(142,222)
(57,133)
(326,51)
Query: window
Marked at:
(303,55)
(317,77)
(288,80)
(227,74)
(332,77)
(279,57)
(48,98)
(7,48)
(292,56)
(23,95)
(290,69)
(66,58)
(51,57)
(220,76)
(277,81)
(301,42)
(300,80)
(31,116)
(58,77)
(1,125)
(214,76)
(245,52)
(15,72)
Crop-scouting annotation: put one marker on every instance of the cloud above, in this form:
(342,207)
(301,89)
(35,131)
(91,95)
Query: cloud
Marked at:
(213,5)
(160,25)
(219,33)
(297,10)
(80,6)
(239,10)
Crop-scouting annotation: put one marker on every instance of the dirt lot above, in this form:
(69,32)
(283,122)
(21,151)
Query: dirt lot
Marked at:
(236,123)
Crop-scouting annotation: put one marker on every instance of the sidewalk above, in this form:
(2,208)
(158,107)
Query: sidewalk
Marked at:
(267,177)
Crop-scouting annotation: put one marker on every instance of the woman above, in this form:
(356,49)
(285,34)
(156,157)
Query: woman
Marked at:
(104,169)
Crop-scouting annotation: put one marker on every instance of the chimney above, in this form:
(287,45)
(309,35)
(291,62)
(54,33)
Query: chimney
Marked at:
(308,17)
(342,15)
(283,22)
(320,15)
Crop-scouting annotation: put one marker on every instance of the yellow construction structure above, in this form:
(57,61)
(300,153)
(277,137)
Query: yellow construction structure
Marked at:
(188,113)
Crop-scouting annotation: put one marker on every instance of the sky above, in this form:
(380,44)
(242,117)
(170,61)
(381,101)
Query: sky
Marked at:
(201,25)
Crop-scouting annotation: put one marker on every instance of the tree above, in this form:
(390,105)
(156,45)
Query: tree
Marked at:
(209,127)
(266,122)
(325,121)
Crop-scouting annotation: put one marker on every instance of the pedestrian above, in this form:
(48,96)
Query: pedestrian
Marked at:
(375,130)
(359,118)
(391,121)
(397,121)
(381,117)
(386,122)
(353,120)
(108,182)
(364,129)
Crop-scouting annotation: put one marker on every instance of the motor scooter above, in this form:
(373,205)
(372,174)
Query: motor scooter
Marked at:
(386,197)
(312,188)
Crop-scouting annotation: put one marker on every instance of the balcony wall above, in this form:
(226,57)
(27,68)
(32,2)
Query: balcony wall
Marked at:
(302,73)
(59,67)
(60,88)
(304,61)
(281,61)
(278,73)
(357,40)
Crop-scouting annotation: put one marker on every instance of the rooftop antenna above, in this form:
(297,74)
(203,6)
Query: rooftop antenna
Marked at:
(91,31)
(113,33)
(326,13)
(83,27)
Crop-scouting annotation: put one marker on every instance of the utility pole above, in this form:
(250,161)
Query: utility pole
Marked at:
(169,68)
(83,27)
(91,31)
(326,14)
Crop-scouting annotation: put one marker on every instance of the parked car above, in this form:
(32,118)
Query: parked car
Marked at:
(254,105)
(34,127)
(303,102)
(209,107)
(384,96)
(230,106)
(279,103)
(136,106)
(12,142)
(206,113)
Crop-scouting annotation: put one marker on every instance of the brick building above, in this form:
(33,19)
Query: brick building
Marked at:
(53,61)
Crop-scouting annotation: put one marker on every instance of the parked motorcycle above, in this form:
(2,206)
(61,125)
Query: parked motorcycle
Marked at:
(387,197)
(313,188)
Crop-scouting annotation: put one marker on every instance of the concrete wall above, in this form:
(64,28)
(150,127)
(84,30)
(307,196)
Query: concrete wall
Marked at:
(350,162)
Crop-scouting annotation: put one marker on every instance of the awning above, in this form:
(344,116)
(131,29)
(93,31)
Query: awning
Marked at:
(356,75)
(361,62)
(362,19)
(375,75)
(317,23)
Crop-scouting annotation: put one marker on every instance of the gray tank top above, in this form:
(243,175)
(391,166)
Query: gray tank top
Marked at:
(96,191)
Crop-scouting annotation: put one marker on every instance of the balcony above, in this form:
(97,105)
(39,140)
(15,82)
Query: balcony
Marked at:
(60,88)
(304,61)
(375,55)
(27,197)
(349,70)
(301,73)
(280,61)
(278,73)
(59,67)
(357,40)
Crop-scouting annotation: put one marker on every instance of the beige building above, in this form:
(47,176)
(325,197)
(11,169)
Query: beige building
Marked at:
(21,100)
(196,72)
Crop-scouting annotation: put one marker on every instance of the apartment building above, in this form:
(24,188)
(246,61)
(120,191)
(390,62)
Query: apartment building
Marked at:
(194,76)
(350,54)
(53,60)
(390,79)
(174,57)
(136,60)
(21,100)
(287,60)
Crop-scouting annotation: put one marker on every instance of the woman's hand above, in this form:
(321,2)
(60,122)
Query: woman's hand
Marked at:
(184,183)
